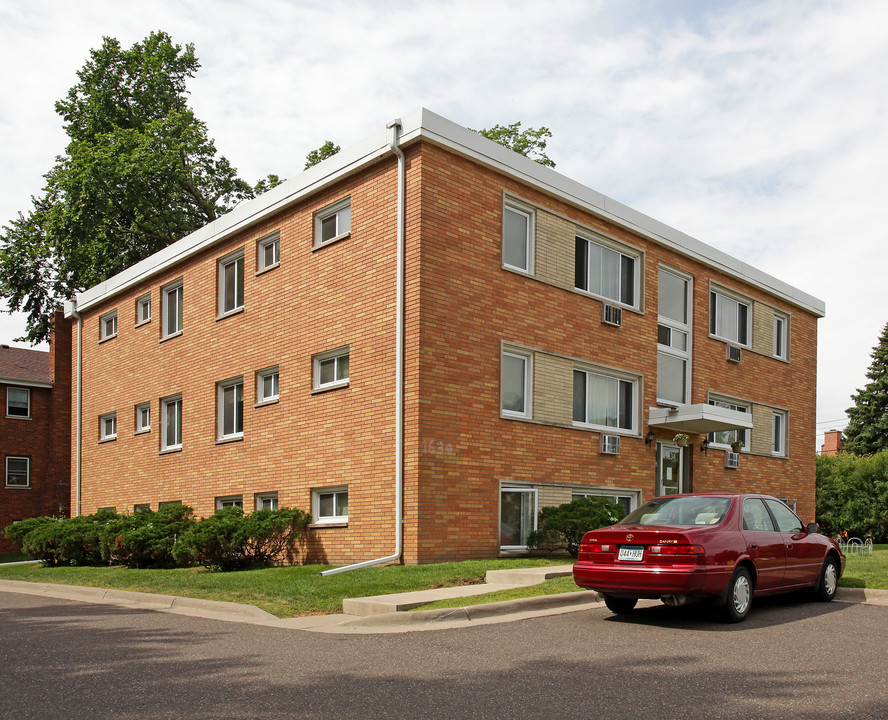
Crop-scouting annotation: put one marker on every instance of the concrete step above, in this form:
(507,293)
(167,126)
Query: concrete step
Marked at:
(527,576)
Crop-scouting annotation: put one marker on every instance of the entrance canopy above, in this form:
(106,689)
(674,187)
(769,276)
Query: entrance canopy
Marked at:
(699,418)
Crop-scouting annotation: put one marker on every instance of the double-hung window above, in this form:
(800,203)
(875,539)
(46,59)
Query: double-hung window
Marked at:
(267,501)
(143,309)
(604,401)
(729,437)
(673,337)
(333,222)
(143,417)
(268,252)
(516,383)
(231,283)
(781,336)
(729,317)
(518,238)
(18,402)
(171,423)
(229,501)
(267,385)
(606,272)
(778,433)
(18,471)
(108,325)
(230,403)
(331,369)
(108,427)
(172,309)
(330,505)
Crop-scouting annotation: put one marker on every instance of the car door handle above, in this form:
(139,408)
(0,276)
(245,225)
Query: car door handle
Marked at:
(753,547)
(789,546)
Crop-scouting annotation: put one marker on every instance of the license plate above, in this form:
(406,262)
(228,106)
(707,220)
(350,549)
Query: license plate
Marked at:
(631,553)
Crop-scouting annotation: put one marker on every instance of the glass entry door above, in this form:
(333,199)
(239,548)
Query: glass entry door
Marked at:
(518,513)
(671,478)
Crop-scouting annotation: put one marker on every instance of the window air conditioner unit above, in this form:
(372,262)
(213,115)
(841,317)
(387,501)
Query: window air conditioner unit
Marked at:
(610,445)
(732,460)
(611,315)
(733,353)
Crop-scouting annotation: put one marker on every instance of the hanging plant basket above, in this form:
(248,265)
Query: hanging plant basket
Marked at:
(681,440)
(737,446)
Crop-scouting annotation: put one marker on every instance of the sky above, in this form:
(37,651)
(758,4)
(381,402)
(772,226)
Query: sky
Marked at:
(759,128)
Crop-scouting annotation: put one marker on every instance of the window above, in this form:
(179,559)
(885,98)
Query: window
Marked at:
(604,401)
(755,516)
(786,519)
(728,437)
(781,337)
(143,309)
(171,423)
(518,516)
(231,283)
(141,507)
(518,239)
(330,505)
(267,385)
(143,418)
(778,433)
(167,503)
(673,338)
(230,501)
(18,402)
(267,501)
(608,273)
(18,472)
(516,372)
(108,325)
(627,500)
(672,471)
(268,252)
(172,309)
(108,427)
(333,222)
(729,317)
(230,408)
(331,369)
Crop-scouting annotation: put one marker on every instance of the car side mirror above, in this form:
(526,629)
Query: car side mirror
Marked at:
(812,528)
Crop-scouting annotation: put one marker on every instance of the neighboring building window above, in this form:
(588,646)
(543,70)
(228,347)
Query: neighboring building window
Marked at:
(608,273)
(604,401)
(267,385)
(330,505)
(728,437)
(781,336)
(331,369)
(267,501)
(108,427)
(518,239)
(231,283)
(516,375)
(333,222)
(143,309)
(18,472)
(230,501)
(172,309)
(108,325)
(230,401)
(18,402)
(141,507)
(729,317)
(171,423)
(143,418)
(268,252)
(778,433)
(627,501)
(673,337)
(518,516)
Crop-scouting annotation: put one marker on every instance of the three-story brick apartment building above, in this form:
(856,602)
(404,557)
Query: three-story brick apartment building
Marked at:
(426,338)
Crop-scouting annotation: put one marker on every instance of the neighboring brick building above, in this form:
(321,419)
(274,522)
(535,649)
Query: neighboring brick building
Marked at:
(554,344)
(832,443)
(35,430)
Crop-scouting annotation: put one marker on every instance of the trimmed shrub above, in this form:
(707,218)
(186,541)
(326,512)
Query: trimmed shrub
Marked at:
(563,527)
(146,538)
(64,541)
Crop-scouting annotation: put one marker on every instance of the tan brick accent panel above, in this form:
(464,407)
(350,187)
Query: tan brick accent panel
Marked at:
(550,496)
(763,328)
(760,442)
(555,241)
(552,389)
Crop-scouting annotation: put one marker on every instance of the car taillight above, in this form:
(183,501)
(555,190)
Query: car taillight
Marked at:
(599,548)
(679,553)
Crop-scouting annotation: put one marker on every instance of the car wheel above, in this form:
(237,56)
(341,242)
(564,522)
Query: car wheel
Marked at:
(829,580)
(619,605)
(739,596)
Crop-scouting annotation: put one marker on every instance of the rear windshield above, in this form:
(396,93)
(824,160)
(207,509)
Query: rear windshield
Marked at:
(680,511)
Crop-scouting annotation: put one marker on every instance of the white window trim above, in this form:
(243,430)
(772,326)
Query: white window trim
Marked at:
(261,375)
(781,318)
(176,287)
(221,389)
(140,428)
(527,356)
(27,471)
(262,243)
(229,501)
(164,403)
(530,214)
(630,252)
(143,301)
(609,492)
(781,451)
(686,328)
(316,503)
(536,511)
(610,373)
(328,212)
(104,320)
(221,266)
(104,434)
(259,497)
(27,392)
(339,352)
(736,403)
(741,300)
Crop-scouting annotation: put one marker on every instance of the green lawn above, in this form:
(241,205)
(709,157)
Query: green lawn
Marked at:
(867,571)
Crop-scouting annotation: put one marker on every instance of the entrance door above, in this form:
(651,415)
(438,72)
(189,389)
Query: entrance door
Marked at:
(670,470)
(518,513)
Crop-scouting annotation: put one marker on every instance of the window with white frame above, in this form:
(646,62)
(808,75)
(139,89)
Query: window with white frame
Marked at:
(333,222)
(172,309)
(108,325)
(604,401)
(518,238)
(171,423)
(268,251)
(18,471)
(330,505)
(729,437)
(229,501)
(626,499)
(143,309)
(267,385)
(516,382)
(108,427)
(231,283)
(230,408)
(141,507)
(518,516)
(781,336)
(18,402)
(331,369)
(606,272)
(673,337)
(730,317)
(143,417)
(267,501)
(778,433)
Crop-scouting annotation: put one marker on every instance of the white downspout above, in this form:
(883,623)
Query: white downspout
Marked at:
(78,404)
(395,127)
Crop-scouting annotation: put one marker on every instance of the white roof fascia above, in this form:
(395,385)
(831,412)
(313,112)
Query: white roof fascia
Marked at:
(25,383)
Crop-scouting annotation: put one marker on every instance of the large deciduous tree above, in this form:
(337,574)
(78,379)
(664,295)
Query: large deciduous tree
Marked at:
(867,430)
(139,172)
(530,142)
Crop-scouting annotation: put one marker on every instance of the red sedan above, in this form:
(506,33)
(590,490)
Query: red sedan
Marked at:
(727,548)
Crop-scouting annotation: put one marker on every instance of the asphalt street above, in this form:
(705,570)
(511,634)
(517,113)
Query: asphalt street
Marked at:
(791,659)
